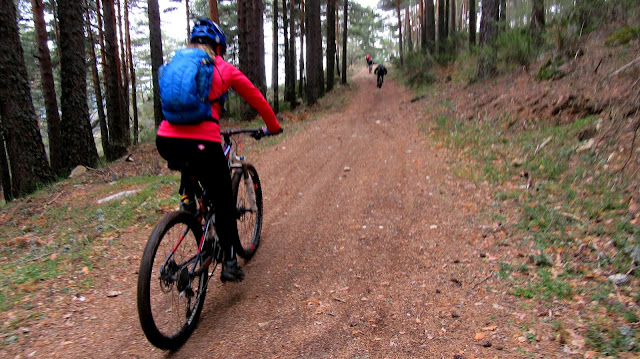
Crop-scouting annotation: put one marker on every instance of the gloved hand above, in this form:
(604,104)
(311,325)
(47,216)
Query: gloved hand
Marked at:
(267,133)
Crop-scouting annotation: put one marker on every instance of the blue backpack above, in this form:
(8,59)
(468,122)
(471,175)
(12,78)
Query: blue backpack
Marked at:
(185,83)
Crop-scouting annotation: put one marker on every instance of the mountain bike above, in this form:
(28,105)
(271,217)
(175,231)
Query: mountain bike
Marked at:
(183,252)
(380,79)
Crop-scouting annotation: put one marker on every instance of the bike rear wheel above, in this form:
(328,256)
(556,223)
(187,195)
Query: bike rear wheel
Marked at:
(248,215)
(170,298)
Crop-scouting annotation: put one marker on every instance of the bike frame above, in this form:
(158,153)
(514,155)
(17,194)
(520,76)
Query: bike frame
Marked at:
(236,162)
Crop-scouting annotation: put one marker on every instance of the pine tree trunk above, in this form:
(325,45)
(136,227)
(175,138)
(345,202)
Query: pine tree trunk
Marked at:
(56,28)
(251,48)
(441,26)
(315,78)
(301,69)
(274,59)
(400,50)
(117,134)
(331,42)
(48,86)
(75,126)
(488,25)
(430,27)
(488,32)
(337,39)
(287,62)
(445,3)
(537,21)
(134,95)
(25,149)
(452,17)
(104,131)
(292,50)
(124,78)
(344,41)
(423,27)
(502,14)
(213,11)
(472,23)
(155,41)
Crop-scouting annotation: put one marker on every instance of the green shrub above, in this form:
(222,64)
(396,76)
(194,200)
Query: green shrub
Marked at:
(515,47)
(623,36)
(417,68)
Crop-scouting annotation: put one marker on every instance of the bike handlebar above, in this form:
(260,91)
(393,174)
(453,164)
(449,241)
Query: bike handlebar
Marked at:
(256,133)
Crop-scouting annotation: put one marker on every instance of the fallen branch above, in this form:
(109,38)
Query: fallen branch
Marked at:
(572,216)
(482,281)
(418,98)
(625,67)
(54,199)
(544,143)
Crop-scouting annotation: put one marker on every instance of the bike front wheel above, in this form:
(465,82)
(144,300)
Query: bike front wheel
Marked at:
(247,193)
(172,282)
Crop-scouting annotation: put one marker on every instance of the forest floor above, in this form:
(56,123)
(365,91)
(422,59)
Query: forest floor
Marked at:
(376,243)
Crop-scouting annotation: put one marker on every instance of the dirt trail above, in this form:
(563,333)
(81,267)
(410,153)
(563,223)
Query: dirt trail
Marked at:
(371,248)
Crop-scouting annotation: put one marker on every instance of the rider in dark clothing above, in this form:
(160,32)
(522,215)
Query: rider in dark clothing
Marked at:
(380,71)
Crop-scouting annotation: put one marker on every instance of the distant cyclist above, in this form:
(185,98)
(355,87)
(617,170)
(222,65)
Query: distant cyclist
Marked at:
(369,62)
(380,71)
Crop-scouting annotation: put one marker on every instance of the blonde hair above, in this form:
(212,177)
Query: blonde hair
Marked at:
(204,47)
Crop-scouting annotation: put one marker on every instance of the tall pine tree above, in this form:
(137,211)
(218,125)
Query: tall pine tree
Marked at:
(25,150)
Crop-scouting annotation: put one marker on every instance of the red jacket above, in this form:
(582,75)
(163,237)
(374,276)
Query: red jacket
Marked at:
(225,76)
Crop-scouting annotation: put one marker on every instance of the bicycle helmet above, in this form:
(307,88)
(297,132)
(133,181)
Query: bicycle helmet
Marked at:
(206,31)
(368,57)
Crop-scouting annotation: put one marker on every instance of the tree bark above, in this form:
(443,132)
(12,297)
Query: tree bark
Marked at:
(48,86)
(117,131)
(287,61)
(292,54)
(315,78)
(331,42)
(472,23)
(251,48)
(104,130)
(399,31)
(537,21)
(132,71)
(423,26)
(124,79)
(488,21)
(274,59)
(301,69)
(430,18)
(488,32)
(75,126)
(155,41)
(56,28)
(337,39)
(442,35)
(213,11)
(344,41)
(452,17)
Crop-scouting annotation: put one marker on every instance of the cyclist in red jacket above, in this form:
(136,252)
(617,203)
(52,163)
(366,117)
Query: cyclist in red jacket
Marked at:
(199,145)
